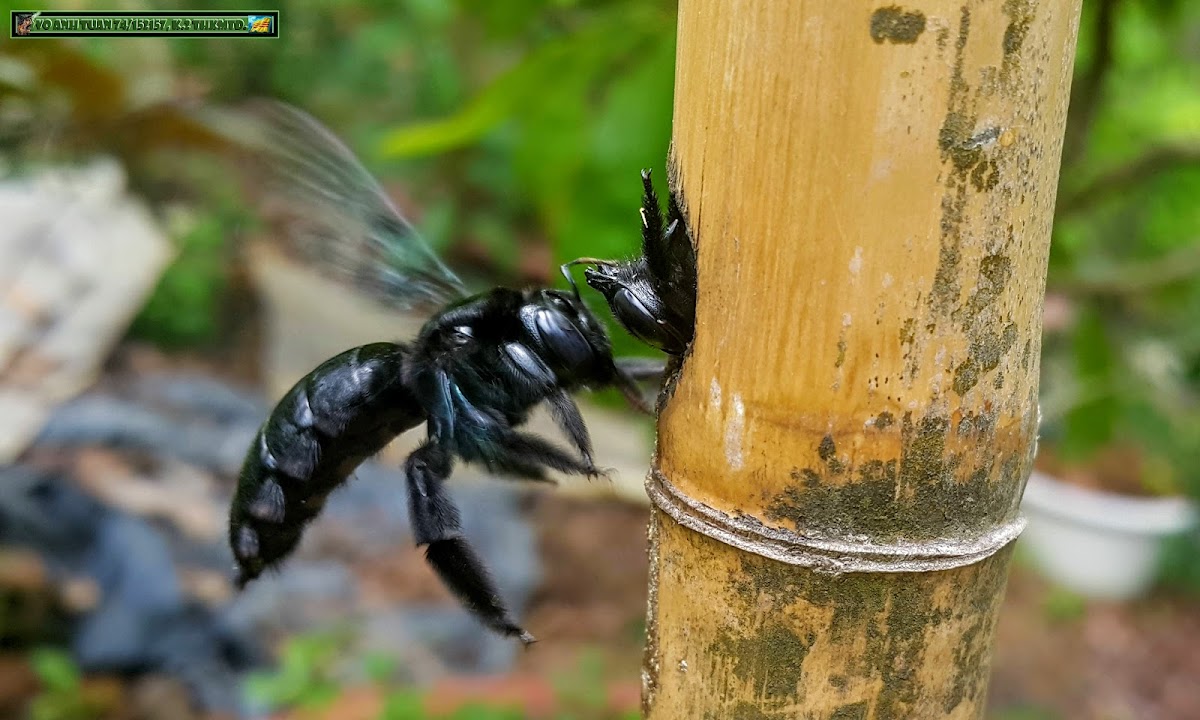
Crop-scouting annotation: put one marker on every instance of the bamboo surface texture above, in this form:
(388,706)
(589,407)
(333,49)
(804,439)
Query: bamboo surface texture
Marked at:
(841,458)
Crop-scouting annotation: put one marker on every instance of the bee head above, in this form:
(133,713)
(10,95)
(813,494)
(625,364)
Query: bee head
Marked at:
(632,301)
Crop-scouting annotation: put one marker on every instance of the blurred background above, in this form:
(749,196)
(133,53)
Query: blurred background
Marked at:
(136,366)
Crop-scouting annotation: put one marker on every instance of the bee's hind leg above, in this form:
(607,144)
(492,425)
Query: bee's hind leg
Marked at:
(437,525)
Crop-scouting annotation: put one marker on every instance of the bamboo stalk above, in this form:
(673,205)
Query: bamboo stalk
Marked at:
(842,456)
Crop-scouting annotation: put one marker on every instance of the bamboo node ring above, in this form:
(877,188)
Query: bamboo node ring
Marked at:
(824,555)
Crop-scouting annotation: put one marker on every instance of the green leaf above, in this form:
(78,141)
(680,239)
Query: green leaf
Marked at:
(1090,425)
(531,84)
(428,138)
(1062,605)
(379,666)
(56,670)
(403,705)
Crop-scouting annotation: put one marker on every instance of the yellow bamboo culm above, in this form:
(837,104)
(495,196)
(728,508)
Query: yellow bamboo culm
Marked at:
(841,458)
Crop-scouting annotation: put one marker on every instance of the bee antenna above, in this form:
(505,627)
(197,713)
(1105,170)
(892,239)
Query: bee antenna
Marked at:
(582,261)
(566,271)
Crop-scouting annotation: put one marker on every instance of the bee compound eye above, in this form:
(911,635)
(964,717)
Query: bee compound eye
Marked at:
(636,317)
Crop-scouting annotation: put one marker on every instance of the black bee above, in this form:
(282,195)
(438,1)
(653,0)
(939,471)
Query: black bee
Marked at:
(653,296)
(472,375)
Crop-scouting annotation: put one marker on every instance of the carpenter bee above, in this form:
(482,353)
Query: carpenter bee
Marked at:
(653,296)
(472,374)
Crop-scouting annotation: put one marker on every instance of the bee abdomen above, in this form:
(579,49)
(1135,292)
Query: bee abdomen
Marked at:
(338,415)
(269,505)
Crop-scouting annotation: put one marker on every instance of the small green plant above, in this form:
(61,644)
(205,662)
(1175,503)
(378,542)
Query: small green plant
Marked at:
(1025,712)
(581,693)
(1178,568)
(61,697)
(183,309)
(1061,605)
(305,677)
(408,704)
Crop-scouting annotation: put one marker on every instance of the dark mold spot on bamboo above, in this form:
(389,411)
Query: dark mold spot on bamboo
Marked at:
(945,280)
(1014,36)
(808,476)
(987,348)
(1020,17)
(908,336)
(994,273)
(890,499)
(985,176)
(895,617)
(896,25)
(922,456)
(956,143)
(977,317)
(974,647)
(884,420)
(841,356)
(853,711)
(966,376)
(771,656)
(827,449)
(744,711)
(957,147)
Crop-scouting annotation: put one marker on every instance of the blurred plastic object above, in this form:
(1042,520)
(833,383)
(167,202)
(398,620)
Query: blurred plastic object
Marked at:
(78,256)
(1100,544)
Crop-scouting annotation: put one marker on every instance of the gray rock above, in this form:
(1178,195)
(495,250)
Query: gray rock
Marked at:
(142,622)
(126,425)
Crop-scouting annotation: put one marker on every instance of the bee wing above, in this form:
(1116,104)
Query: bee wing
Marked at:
(341,220)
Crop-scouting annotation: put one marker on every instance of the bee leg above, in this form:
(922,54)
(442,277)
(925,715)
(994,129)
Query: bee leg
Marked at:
(525,455)
(626,382)
(652,219)
(640,368)
(562,406)
(437,525)
(566,415)
(670,262)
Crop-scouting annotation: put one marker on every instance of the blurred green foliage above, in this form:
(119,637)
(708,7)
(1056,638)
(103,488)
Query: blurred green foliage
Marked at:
(189,303)
(61,696)
(1025,712)
(1063,606)
(1123,365)
(306,676)
(314,668)
(532,118)
(517,129)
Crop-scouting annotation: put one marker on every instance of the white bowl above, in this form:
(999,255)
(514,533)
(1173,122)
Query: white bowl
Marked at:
(1099,544)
